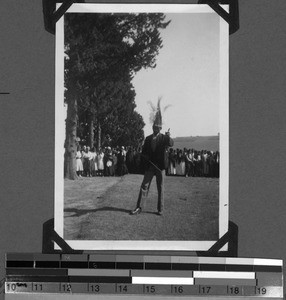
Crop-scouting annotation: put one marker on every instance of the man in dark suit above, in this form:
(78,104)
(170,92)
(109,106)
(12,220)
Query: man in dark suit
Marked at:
(154,155)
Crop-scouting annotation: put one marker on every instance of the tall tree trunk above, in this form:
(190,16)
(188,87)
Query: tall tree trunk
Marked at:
(70,142)
(98,135)
(91,130)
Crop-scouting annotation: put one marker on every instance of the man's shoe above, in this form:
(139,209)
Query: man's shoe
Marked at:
(137,211)
(159,213)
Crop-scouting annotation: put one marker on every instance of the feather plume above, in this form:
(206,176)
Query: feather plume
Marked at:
(166,107)
(156,112)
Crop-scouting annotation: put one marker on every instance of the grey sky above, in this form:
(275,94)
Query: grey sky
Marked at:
(186,76)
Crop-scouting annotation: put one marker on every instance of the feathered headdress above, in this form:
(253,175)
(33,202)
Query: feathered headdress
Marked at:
(156,113)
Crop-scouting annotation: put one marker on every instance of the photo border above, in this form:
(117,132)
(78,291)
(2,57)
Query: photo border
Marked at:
(223,123)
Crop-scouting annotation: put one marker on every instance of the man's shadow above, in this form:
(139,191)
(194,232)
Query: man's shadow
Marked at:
(81,212)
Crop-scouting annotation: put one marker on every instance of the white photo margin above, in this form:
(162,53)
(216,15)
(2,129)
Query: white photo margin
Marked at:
(60,112)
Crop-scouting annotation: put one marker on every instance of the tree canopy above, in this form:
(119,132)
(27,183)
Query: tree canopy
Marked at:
(103,52)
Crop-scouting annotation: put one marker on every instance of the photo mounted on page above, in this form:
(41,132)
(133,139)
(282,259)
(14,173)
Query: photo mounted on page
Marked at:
(141,141)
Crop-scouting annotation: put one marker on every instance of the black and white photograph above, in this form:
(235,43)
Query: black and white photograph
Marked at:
(142,127)
(138,135)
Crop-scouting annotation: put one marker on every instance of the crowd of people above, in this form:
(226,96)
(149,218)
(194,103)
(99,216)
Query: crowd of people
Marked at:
(119,161)
(193,163)
(105,162)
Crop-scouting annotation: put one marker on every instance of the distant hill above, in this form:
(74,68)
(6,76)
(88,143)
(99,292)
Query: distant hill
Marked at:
(210,143)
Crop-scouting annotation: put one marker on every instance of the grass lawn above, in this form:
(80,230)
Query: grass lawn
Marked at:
(98,209)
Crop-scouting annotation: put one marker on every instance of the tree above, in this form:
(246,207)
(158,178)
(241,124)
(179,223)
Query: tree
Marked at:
(103,52)
(127,130)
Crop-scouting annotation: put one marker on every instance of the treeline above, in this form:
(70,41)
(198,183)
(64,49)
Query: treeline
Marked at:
(103,52)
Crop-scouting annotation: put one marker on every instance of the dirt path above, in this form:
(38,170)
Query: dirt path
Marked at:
(98,209)
(82,197)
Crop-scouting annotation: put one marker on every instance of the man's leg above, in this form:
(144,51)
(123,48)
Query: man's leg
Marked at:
(144,189)
(160,187)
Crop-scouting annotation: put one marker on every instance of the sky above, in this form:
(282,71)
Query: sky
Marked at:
(186,77)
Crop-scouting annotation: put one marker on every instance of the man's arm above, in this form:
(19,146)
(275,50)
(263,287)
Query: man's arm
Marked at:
(168,141)
(145,153)
(144,148)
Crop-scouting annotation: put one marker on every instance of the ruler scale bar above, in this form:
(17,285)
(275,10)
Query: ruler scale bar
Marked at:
(225,281)
(233,275)
(156,289)
(97,265)
(47,264)
(267,268)
(74,264)
(15,278)
(99,279)
(158,266)
(160,273)
(129,265)
(74,257)
(19,264)
(148,266)
(143,275)
(101,265)
(35,272)
(239,268)
(163,280)
(143,258)
(97,272)
(211,267)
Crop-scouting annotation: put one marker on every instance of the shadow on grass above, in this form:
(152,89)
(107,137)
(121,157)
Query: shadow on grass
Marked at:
(81,212)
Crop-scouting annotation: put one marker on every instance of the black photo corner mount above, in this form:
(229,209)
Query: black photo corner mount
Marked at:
(50,237)
(230,237)
(232,18)
(51,15)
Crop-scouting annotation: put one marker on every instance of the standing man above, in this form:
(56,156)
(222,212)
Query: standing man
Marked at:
(154,155)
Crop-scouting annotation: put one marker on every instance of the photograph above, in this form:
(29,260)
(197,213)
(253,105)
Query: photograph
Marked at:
(141,127)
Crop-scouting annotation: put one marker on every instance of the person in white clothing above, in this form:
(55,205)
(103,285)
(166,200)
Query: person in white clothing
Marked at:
(79,166)
(100,163)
